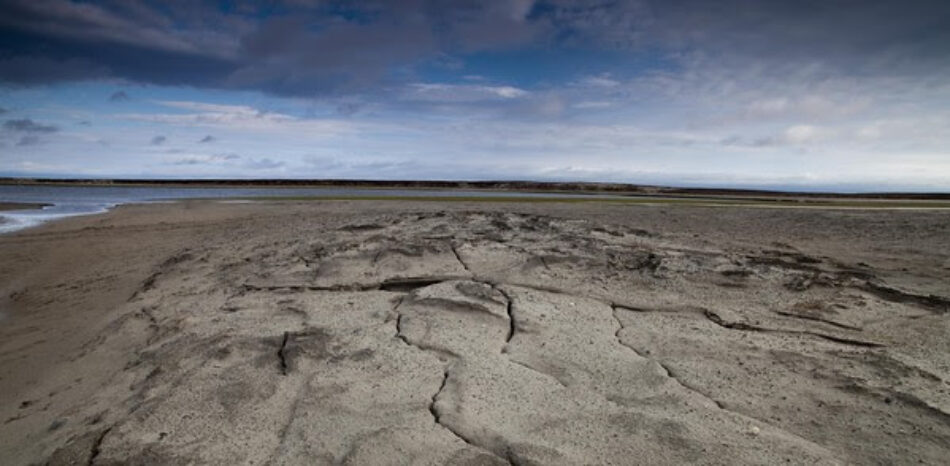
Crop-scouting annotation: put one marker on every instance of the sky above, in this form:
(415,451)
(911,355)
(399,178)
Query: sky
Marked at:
(844,95)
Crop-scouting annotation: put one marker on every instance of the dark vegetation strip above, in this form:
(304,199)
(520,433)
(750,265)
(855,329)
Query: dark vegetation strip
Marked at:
(575,187)
(638,200)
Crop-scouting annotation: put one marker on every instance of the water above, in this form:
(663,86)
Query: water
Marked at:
(68,201)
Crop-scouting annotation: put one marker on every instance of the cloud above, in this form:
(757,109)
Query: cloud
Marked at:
(209,114)
(263,164)
(119,96)
(457,93)
(3,110)
(28,140)
(336,47)
(348,108)
(201,159)
(29,126)
(229,160)
(220,117)
(592,104)
(158,140)
(33,69)
(795,135)
(602,80)
(801,134)
(769,90)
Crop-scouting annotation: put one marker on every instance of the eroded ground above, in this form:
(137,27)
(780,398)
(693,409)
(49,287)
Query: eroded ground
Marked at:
(494,337)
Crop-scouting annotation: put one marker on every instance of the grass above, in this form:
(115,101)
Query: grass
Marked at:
(706,202)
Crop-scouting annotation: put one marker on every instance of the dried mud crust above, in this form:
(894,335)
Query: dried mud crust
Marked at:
(500,338)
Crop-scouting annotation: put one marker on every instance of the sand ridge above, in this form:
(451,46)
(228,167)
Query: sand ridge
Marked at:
(501,336)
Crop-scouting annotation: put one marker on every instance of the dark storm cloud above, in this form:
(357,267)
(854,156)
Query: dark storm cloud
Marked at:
(310,48)
(118,96)
(850,34)
(29,131)
(27,125)
(31,69)
(158,140)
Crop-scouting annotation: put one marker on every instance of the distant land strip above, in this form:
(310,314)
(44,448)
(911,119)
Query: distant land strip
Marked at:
(641,200)
(623,189)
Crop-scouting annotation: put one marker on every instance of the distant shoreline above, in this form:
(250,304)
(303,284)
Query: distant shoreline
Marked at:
(622,189)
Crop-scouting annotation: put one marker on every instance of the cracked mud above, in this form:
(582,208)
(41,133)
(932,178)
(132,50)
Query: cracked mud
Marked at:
(493,337)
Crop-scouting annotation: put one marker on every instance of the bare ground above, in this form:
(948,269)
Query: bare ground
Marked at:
(465,333)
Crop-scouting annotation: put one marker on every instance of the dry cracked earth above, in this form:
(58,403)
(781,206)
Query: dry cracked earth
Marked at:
(504,338)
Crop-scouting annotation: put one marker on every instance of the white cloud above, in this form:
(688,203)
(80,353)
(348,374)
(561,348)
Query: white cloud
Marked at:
(240,117)
(768,106)
(461,93)
(592,104)
(602,80)
(196,159)
(803,134)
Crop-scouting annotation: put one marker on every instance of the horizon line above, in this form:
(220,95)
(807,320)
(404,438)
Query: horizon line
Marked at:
(519,184)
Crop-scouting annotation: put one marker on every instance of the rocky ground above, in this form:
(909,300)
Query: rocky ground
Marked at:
(352,333)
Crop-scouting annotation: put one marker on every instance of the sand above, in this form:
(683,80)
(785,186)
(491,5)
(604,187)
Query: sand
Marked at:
(466,333)
(20,206)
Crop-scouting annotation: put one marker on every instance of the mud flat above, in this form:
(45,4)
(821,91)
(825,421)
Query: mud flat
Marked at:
(343,332)
(20,206)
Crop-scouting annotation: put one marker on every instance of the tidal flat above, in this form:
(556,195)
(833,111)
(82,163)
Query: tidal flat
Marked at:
(506,332)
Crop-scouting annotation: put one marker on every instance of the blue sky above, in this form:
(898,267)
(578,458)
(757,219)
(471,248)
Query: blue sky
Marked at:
(831,94)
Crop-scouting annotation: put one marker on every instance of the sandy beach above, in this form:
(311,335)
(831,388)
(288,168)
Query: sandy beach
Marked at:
(367,332)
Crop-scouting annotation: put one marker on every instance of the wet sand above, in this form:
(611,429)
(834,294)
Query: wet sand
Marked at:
(20,206)
(347,332)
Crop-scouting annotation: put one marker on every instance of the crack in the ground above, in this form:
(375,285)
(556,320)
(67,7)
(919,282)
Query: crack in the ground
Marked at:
(458,257)
(509,309)
(146,285)
(395,310)
(399,334)
(718,320)
(506,454)
(544,261)
(442,353)
(437,418)
(403,284)
(147,312)
(819,319)
(679,380)
(669,373)
(533,369)
(938,304)
(306,262)
(282,354)
(97,446)
(149,283)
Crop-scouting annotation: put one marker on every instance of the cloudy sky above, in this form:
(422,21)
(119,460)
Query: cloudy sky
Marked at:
(807,94)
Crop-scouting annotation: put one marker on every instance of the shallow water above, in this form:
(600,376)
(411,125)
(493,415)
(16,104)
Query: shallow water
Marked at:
(67,201)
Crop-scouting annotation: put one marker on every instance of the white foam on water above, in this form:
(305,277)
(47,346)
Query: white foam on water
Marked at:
(16,220)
